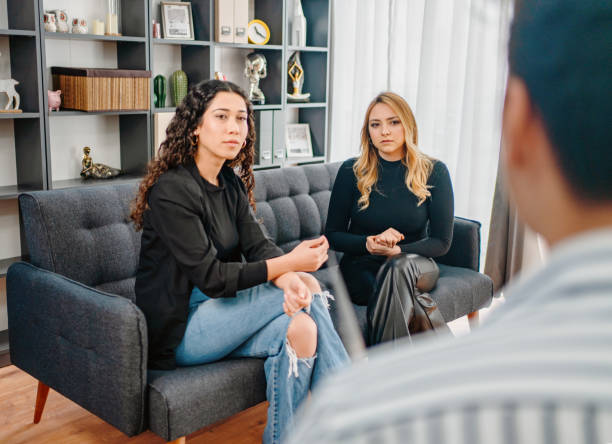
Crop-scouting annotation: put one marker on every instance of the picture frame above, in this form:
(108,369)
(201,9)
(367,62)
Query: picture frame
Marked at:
(297,140)
(177,20)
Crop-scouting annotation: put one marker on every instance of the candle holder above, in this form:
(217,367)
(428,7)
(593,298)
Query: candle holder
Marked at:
(112,17)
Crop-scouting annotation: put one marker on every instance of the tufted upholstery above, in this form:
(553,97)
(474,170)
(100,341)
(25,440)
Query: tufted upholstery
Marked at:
(69,329)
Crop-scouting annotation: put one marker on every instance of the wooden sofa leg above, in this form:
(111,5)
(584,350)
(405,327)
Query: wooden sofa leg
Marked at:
(41,399)
(473,319)
(181,440)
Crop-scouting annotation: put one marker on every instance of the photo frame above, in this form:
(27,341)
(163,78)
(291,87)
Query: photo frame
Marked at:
(297,140)
(177,20)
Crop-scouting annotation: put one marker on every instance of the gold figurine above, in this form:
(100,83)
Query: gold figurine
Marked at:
(296,73)
(96,170)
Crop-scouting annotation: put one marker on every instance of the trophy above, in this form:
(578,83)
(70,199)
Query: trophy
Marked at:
(296,73)
(255,68)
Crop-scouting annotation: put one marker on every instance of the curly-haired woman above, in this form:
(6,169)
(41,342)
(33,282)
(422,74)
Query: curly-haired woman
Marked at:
(202,302)
(390,200)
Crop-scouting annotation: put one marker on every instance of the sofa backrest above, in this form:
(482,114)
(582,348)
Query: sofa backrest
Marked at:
(292,202)
(84,234)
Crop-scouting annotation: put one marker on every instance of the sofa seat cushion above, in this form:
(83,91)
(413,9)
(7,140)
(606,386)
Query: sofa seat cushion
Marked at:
(459,291)
(182,399)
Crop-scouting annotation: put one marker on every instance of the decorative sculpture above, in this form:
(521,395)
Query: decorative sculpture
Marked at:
(54,100)
(61,20)
(179,86)
(298,26)
(79,26)
(255,68)
(159,89)
(7,86)
(49,21)
(96,170)
(296,73)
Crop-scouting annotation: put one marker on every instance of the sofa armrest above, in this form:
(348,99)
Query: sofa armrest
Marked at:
(465,247)
(88,345)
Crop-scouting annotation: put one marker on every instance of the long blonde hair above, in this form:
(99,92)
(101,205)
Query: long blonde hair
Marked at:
(418,165)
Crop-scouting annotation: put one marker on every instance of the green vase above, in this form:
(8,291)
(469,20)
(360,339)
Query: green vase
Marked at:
(179,86)
(159,88)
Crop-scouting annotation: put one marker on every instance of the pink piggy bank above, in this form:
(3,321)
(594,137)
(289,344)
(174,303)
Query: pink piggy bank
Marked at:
(54,99)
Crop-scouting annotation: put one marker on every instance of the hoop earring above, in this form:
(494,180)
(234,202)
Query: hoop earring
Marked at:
(194,140)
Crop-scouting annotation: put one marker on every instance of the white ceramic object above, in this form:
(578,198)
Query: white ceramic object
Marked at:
(7,86)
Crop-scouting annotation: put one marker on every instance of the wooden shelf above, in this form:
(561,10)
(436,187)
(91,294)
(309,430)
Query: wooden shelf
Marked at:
(17,32)
(180,42)
(12,191)
(167,109)
(19,115)
(6,263)
(306,105)
(83,183)
(307,48)
(93,113)
(247,46)
(92,37)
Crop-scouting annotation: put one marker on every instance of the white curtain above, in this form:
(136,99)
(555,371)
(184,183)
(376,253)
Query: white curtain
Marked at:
(448,59)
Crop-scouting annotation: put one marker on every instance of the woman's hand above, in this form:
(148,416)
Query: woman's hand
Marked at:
(297,294)
(309,255)
(390,237)
(379,249)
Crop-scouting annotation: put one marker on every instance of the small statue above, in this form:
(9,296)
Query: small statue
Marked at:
(8,86)
(54,100)
(61,20)
(255,68)
(96,170)
(159,88)
(79,26)
(296,73)
(298,25)
(49,20)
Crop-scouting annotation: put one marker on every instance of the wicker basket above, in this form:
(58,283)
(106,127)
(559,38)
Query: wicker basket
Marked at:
(99,89)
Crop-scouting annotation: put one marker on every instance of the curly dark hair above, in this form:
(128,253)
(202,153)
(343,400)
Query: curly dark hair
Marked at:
(177,149)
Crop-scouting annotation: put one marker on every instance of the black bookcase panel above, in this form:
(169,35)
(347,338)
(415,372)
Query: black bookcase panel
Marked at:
(317,119)
(317,22)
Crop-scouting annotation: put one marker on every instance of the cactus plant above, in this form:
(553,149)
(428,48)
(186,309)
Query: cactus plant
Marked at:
(159,88)
(179,86)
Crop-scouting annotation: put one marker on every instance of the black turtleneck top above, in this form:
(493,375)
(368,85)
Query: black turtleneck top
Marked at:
(427,228)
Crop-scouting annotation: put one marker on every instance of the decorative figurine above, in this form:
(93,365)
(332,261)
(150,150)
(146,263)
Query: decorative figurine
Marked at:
(49,20)
(8,86)
(96,170)
(159,88)
(61,20)
(179,86)
(220,76)
(255,68)
(298,25)
(54,100)
(296,73)
(79,26)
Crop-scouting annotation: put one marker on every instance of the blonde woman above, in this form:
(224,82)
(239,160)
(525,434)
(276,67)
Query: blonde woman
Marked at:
(390,200)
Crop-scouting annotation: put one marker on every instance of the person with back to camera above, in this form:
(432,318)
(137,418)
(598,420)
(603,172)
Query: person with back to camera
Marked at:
(201,301)
(391,200)
(539,369)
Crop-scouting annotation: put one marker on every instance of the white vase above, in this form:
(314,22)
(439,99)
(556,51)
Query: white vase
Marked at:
(298,25)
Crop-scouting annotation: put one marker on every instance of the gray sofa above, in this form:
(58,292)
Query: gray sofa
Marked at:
(73,324)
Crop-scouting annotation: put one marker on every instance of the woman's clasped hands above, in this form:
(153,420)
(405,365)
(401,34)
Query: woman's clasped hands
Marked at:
(385,243)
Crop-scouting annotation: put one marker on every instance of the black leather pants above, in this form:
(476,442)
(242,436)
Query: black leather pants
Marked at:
(400,304)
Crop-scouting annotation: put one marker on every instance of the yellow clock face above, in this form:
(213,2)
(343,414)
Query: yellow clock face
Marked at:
(258,32)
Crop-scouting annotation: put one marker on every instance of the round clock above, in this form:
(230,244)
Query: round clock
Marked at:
(258,32)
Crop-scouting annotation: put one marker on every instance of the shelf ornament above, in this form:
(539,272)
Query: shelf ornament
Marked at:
(7,86)
(255,68)
(93,170)
(179,86)
(298,25)
(296,74)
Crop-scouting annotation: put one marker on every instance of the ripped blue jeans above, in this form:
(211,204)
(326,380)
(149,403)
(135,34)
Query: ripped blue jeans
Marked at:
(253,324)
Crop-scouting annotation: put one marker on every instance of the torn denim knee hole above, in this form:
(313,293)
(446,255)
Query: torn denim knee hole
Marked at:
(325,297)
(293,360)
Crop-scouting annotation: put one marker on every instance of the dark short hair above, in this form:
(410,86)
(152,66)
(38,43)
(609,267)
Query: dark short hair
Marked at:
(562,50)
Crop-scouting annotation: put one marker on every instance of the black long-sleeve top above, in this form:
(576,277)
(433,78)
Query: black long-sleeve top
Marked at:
(427,229)
(195,234)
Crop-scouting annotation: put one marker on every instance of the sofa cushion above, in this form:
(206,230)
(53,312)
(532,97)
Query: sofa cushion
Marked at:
(182,400)
(83,233)
(459,291)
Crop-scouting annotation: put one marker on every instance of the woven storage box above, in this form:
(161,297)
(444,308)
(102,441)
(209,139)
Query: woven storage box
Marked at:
(100,89)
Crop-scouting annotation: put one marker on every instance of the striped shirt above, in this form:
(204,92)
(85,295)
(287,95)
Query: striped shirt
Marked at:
(539,371)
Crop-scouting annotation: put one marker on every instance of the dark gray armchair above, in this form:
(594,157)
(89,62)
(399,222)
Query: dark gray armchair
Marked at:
(73,324)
